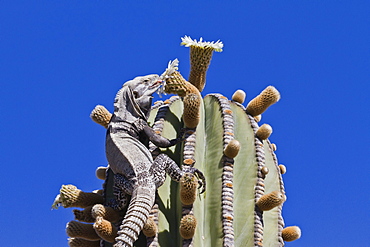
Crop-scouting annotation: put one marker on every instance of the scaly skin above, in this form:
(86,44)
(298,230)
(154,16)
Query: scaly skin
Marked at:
(136,173)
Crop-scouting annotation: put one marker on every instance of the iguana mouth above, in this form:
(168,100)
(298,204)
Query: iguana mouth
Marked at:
(147,88)
(156,84)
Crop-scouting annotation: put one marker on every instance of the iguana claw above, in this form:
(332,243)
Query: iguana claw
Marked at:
(201,179)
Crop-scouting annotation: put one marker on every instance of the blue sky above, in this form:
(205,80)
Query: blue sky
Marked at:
(58,59)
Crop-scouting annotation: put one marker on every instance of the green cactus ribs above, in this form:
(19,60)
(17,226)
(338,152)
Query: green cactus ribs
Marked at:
(224,138)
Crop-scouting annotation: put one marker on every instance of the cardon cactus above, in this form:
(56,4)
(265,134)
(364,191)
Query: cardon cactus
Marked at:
(242,204)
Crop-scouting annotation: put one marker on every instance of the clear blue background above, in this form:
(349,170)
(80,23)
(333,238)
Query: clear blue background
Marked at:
(58,59)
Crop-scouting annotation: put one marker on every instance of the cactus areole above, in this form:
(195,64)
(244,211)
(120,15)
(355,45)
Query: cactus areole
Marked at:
(186,136)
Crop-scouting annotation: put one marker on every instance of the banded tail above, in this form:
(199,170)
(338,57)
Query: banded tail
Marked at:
(136,216)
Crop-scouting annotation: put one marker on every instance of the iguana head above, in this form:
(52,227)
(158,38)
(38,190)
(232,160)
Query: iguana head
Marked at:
(144,86)
(135,98)
(142,89)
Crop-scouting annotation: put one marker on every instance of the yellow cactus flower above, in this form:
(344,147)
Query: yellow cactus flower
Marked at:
(282,169)
(101,115)
(232,149)
(101,172)
(188,188)
(188,224)
(274,147)
(80,242)
(150,228)
(264,131)
(271,200)
(107,213)
(200,57)
(291,233)
(258,118)
(70,196)
(77,229)
(265,170)
(191,113)
(176,84)
(105,229)
(239,96)
(84,215)
(266,98)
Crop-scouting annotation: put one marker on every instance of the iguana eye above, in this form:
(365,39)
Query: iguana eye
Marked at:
(146,80)
(136,94)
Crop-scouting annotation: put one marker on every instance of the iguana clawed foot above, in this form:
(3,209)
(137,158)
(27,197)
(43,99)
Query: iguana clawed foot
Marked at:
(201,179)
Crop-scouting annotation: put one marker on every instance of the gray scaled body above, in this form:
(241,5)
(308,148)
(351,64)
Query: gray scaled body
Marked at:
(136,173)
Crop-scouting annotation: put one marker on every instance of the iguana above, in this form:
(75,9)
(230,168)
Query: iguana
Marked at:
(136,173)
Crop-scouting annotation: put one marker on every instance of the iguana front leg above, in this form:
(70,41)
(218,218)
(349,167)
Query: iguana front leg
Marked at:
(159,140)
(164,164)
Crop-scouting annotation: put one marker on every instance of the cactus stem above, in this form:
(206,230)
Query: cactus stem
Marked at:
(269,149)
(158,127)
(231,149)
(188,183)
(213,127)
(260,187)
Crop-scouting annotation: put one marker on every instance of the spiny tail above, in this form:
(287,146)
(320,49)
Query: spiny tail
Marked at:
(137,214)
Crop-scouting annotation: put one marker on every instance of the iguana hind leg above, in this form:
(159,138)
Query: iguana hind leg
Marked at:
(162,165)
(121,188)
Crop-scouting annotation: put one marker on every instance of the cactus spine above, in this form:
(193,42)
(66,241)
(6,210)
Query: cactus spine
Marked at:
(245,193)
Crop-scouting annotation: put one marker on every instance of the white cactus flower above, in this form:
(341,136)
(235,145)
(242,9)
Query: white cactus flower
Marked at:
(187,41)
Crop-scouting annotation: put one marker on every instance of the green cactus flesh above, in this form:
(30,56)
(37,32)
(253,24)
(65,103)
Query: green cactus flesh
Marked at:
(242,203)
(273,221)
(226,213)
(245,173)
